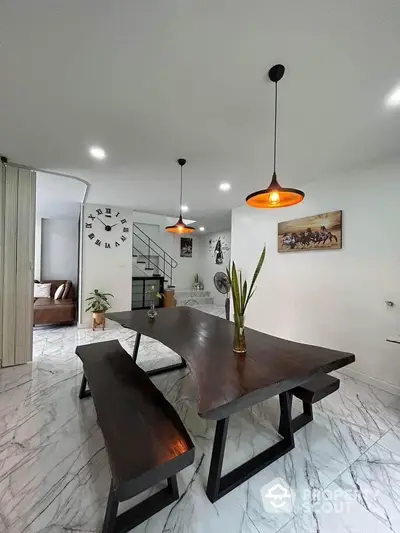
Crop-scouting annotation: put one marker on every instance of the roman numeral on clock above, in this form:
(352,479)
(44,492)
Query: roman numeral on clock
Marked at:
(123,221)
(98,242)
(123,238)
(117,244)
(99,211)
(91,217)
(91,236)
(88,225)
(107,245)
(125,230)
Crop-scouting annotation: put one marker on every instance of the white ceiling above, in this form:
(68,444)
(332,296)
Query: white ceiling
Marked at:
(154,80)
(58,197)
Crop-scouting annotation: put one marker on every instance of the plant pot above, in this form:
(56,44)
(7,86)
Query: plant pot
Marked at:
(99,320)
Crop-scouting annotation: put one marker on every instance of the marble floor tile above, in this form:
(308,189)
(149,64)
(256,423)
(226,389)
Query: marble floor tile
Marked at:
(304,480)
(391,440)
(374,481)
(334,512)
(364,417)
(332,445)
(54,474)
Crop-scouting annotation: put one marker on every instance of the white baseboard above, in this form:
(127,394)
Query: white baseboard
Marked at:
(383,385)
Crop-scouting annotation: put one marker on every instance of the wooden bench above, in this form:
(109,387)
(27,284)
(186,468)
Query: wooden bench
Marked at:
(144,437)
(311,392)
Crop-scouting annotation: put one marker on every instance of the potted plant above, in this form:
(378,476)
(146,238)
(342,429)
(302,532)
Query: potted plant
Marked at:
(155,295)
(241,297)
(196,282)
(98,304)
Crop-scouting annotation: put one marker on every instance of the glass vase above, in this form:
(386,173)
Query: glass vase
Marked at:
(152,313)
(239,341)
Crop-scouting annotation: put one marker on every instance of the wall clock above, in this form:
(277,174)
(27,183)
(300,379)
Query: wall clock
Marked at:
(107,228)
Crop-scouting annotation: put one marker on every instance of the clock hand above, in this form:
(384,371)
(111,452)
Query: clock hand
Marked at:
(115,224)
(101,221)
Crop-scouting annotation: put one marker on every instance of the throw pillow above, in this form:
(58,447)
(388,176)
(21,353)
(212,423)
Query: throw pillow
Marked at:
(42,290)
(59,292)
(67,289)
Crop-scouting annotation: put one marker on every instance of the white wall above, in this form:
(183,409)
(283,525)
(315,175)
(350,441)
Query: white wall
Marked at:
(59,247)
(107,269)
(208,266)
(187,266)
(332,298)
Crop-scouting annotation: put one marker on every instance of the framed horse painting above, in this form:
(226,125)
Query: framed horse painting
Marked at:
(318,232)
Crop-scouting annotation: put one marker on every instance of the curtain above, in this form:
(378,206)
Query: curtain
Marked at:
(17,236)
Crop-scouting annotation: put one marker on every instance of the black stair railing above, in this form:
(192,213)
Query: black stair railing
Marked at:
(168,263)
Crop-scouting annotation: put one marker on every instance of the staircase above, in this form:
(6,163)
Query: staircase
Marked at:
(150,258)
(192,297)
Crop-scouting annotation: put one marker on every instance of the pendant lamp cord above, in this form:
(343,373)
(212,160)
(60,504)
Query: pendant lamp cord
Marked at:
(276,119)
(180,204)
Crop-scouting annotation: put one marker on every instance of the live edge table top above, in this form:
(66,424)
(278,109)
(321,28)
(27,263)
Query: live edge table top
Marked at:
(228,382)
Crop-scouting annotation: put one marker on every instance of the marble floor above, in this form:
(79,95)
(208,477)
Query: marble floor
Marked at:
(343,475)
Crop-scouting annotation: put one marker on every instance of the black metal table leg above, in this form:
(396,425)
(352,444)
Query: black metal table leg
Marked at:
(217,458)
(136,348)
(155,371)
(218,486)
(83,393)
(110,518)
(169,368)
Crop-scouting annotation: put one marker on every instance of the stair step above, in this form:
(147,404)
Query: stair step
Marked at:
(187,293)
(200,300)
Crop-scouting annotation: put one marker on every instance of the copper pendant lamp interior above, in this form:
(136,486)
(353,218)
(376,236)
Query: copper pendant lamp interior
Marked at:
(275,195)
(180,227)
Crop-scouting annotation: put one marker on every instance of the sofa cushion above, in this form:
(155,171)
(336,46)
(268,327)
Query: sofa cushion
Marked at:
(67,288)
(50,303)
(42,290)
(59,292)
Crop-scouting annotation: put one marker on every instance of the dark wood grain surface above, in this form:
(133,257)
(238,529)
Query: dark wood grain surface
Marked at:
(144,436)
(228,382)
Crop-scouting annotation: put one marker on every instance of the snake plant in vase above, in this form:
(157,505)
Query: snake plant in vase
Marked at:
(241,295)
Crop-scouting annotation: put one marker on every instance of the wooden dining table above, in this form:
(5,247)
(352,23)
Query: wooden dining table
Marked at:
(228,382)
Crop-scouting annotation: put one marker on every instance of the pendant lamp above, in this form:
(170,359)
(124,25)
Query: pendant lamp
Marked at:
(275,195)
(180,226)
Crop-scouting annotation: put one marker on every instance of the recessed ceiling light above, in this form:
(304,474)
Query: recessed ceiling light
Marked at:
(184,208)
(225,186)
(202,228)
(393,98)
(97,152)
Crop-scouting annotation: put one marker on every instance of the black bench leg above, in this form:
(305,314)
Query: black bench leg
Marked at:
(110,518)
(141,512)
(300,421)
(285,415)
(83,393)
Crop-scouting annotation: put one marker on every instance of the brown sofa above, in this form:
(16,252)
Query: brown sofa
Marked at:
(51,311)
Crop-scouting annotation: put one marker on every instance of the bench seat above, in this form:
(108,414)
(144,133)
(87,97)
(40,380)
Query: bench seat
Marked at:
(145,439)
(311,392)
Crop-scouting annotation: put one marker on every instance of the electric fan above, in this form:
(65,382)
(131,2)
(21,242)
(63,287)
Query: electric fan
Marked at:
(221,283)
